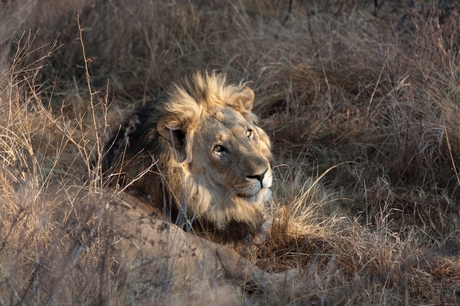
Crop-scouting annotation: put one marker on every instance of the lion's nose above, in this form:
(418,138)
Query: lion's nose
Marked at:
(259,177)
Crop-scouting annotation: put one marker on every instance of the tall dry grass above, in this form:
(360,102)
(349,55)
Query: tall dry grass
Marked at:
(363,111)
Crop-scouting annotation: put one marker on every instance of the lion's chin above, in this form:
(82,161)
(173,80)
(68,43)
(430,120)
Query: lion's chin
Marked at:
(262,196)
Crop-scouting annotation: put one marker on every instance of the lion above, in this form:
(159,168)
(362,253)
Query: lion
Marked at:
(201,165)
(198,155)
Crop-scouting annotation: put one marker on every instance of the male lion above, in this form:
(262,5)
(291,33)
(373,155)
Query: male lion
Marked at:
(197,155)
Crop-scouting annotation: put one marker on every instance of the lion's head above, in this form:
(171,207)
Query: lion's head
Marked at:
(205,154)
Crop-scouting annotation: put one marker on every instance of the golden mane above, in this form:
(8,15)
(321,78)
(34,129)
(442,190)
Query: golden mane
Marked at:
(190,100)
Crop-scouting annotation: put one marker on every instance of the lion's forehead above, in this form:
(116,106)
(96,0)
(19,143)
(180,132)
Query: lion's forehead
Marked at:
(229,117)
(225,125)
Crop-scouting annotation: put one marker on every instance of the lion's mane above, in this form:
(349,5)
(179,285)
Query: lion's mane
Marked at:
(152,152)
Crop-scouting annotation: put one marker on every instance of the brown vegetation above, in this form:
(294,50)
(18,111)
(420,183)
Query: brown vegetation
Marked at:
(363,111)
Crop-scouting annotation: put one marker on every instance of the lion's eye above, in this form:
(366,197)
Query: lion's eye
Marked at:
(219,149)
(249,133)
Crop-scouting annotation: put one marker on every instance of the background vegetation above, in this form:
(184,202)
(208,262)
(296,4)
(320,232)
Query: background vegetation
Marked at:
(362,105)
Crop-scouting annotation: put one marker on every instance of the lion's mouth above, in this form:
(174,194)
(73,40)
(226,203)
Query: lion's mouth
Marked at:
(261,195)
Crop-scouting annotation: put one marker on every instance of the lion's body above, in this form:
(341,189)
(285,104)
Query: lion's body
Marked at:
(154,258)
(198,155)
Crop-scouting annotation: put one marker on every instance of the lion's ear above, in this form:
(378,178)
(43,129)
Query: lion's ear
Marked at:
(246,97)
(170,129)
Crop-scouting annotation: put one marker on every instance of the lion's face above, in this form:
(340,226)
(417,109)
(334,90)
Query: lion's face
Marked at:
(231,152)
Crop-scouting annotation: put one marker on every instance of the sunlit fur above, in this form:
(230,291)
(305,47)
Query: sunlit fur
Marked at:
(164,151)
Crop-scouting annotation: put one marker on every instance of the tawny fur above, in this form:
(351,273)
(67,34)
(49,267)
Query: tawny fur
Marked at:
(197,155)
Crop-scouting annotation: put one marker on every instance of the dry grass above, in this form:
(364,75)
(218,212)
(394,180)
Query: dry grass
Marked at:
(363,111)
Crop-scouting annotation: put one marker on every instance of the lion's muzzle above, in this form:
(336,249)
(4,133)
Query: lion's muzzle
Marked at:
(265,179)
(255,187)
